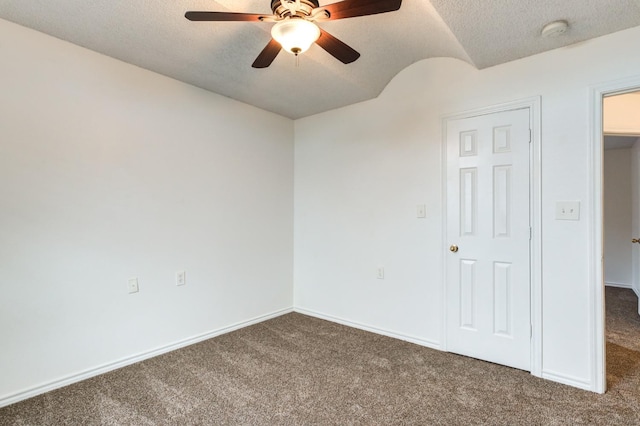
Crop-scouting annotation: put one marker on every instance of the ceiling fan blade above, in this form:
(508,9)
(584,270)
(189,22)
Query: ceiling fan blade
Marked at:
(335,47)
(222,16)
(353,8)
(267,55)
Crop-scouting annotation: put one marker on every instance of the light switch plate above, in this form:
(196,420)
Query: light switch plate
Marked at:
(568,210)
(421,211)
(133,285)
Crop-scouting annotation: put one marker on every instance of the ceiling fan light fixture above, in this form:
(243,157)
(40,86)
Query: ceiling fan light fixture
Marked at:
(295,35)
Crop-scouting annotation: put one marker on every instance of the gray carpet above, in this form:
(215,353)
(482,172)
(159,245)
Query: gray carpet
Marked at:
(298,370)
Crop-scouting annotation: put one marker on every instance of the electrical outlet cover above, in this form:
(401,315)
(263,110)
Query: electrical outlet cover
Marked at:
(181,278)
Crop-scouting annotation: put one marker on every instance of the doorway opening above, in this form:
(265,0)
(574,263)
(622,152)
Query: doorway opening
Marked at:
(615,264)
(621,225)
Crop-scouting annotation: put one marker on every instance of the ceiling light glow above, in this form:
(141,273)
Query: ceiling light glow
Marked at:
(295,35)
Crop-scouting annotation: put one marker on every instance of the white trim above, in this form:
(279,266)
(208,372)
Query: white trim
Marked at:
(407,338)
(535,110)
(535,217)
(444,178)
(618,285)
(596,321)
(123,362)
(566,379)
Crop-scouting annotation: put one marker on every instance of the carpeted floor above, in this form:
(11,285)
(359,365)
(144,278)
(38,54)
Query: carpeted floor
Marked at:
(299,370)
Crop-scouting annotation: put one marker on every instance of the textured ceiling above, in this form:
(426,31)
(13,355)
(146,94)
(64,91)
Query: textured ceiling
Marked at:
(217,56)
(497,31)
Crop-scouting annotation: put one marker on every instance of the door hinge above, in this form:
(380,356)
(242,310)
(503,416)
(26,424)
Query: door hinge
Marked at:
(531,331)
(530,233)
(530,136)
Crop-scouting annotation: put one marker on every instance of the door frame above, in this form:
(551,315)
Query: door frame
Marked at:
(597,344)
(535,218)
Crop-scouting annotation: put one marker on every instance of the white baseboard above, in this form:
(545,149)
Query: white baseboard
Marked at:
(623,285)
(105,368)
(412,339)
(546,374)
(567,380)
(92,372)
(615,284)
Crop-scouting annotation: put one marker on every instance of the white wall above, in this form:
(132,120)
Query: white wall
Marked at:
(361,170)
(617,217)
(107,172)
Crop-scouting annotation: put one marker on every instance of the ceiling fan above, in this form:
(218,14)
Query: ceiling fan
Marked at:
(295,29)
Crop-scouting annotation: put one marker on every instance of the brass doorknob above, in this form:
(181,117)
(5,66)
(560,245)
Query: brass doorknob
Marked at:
(636,240)
(453,248)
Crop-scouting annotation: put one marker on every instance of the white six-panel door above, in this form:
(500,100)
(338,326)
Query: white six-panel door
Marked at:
(488,279)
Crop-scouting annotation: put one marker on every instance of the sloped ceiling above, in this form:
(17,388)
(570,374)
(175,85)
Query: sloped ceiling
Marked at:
(497,31)
(217,56)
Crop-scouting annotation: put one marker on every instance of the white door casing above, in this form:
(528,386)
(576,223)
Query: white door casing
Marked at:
(488,297)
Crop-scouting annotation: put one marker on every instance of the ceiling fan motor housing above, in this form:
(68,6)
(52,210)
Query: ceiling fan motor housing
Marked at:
(280,9)
(295,26)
